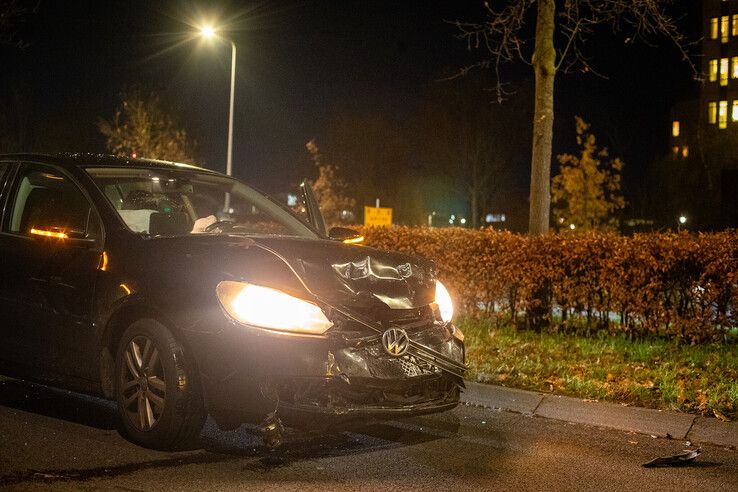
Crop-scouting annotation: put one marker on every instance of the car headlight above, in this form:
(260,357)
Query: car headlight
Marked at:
(270,308)
(444,302)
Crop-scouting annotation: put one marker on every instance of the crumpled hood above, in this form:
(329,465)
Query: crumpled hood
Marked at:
(356,276)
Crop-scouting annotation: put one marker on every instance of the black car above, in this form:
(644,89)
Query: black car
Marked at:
(180,292)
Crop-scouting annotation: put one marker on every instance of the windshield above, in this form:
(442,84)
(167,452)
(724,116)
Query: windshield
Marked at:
(162,202)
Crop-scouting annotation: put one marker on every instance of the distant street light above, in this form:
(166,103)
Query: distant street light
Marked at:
(682,221)
(209,32)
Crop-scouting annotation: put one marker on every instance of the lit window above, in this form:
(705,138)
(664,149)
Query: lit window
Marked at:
(724,25)
(734,112)
(723,115)
(685,152)
(714,28)
(735,25)
(675,149)
(712,112)
(675,128)
(713,70)
(724,71)
(734,67)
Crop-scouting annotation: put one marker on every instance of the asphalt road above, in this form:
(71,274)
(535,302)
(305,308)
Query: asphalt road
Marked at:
(51,439)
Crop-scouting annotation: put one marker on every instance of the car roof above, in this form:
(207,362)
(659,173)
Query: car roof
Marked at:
(102,160)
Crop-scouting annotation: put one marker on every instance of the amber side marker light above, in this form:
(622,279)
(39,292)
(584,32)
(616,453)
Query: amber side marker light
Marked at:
(41,232)
(103,265)
(354,240)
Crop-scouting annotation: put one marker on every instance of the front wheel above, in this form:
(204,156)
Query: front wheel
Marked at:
(157,391)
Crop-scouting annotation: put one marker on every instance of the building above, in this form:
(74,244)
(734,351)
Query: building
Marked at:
(719,95)
(704,132)
(684,128)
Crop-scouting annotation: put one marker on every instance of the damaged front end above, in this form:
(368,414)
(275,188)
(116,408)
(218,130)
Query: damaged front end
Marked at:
(362,377)
(389,352)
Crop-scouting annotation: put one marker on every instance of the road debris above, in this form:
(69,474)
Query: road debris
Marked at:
(272,431)
(720,416)
(681,459)
(49,476)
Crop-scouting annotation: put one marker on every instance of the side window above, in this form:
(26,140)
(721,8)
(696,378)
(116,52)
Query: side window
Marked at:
(46,202)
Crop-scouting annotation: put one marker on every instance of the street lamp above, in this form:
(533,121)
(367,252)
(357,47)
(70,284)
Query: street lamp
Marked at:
(682,221)
(208,32)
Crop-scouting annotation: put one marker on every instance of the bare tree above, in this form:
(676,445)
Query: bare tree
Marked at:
(561,31)
(13,13)
(462,136)
(466,155)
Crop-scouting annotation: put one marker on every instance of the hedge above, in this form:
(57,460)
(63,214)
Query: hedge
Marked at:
(668,284)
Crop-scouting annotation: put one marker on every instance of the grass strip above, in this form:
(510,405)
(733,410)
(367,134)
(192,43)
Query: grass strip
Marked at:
(654,373)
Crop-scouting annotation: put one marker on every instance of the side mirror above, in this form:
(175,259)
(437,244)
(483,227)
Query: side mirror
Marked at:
(346,235)
(77,238)
(80,239)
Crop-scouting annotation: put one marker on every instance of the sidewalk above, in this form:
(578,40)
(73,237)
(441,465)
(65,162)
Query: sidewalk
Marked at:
(661,423)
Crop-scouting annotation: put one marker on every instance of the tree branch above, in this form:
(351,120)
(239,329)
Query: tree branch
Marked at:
(502,34)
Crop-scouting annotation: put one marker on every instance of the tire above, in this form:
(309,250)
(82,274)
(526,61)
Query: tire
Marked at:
(157,390)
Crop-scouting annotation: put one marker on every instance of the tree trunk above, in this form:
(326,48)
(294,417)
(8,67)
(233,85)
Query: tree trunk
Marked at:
(475,209)
(475,193)
(544,65)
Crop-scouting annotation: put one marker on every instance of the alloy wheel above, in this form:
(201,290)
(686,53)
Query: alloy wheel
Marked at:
(143,383)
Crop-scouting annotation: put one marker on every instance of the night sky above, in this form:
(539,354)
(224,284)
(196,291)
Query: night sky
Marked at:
(300,63)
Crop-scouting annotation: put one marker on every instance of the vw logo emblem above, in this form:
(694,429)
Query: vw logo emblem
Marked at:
(395,341)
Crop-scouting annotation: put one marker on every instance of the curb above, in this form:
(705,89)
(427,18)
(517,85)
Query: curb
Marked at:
(661,423)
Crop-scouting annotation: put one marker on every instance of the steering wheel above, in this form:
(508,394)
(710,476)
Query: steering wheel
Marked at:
(223,225)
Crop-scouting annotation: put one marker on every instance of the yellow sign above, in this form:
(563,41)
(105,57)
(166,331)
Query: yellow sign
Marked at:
(377,216)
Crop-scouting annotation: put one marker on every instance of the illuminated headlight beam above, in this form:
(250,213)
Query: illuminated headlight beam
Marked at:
(269,308)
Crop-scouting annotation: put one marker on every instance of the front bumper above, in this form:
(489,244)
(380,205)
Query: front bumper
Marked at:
(247,373)
(316,400)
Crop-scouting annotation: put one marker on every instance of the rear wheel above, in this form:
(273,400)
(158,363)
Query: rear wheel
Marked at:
(157,391)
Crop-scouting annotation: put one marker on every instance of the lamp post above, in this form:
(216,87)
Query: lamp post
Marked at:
(208,32)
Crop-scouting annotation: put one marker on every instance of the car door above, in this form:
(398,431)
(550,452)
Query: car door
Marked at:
(7,311)
(315,216)
(50,247)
